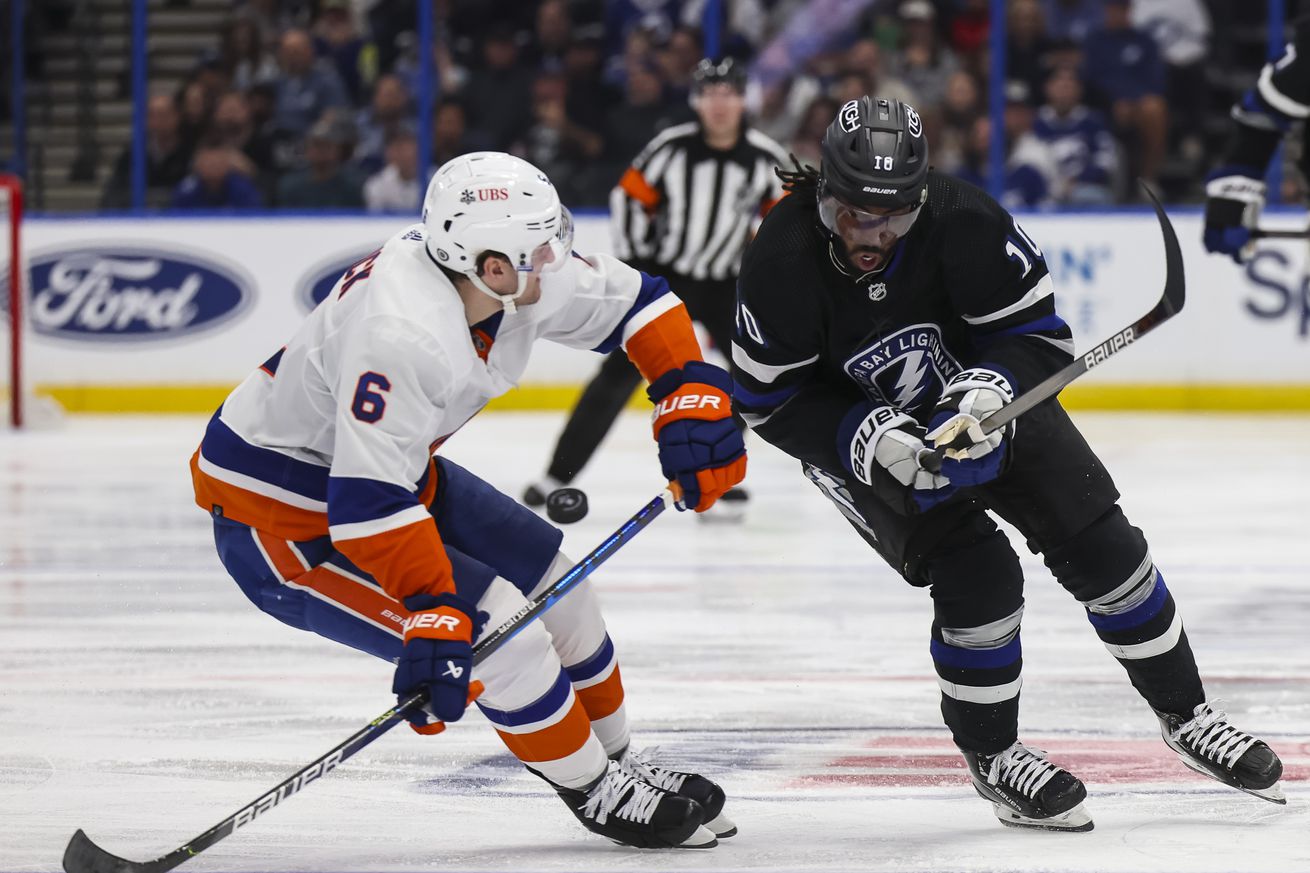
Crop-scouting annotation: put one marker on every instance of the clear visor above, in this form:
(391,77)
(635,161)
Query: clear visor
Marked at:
(554,252)
(850,221)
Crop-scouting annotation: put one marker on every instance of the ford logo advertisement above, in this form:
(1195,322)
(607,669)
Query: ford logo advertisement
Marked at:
(319,280)
(127,293)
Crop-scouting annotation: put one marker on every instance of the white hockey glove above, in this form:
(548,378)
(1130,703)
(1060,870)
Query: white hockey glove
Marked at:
(888,438)
(969,398)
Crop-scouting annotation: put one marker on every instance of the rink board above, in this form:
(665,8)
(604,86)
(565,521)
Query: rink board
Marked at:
(156,314)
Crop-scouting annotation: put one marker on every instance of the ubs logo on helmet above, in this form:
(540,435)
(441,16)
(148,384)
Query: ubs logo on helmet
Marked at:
(912,122)
(850,116)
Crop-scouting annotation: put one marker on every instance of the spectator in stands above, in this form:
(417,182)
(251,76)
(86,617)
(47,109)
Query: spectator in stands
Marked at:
(273,17)
(243,55)
(325,183)
(1027,46)
(563,149)
(306,87)
(215,182)
(499,91)
(805,145)
(1125,72)
(1083,148)
(960,109)
(1181,28)
(396,187)
(678,58)
(923,62)
(251,151)
(1073,20)
(388,112)
(168,157)
(590,99)
(968,30)
(450,133)
(551,36)
(195,106)
(866,58)
(1030,165)
(635,121)
(337,40)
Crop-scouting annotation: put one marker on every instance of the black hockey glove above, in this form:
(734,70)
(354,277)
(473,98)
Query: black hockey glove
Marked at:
(1234,197)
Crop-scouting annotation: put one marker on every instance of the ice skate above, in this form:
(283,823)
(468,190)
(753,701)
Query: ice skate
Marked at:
(632,812)
(691,785)
(1210,745)
(1028,791)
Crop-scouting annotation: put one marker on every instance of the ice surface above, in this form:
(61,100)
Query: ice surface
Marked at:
(144,699)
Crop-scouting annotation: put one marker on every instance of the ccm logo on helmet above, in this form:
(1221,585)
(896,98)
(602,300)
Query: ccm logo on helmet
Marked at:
(850,116)
(913,123)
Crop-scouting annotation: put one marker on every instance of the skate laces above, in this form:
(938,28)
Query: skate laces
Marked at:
(1022,768)
(1210,734)
(639,764)
(608,798)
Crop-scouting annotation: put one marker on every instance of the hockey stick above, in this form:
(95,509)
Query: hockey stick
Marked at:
(1279,233)
(1171,303)
(84,856)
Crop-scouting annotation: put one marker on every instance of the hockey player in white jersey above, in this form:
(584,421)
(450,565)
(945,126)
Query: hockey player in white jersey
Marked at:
(333,515)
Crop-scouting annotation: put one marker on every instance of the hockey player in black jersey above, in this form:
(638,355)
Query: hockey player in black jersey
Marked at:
(1235,191)
(884,307)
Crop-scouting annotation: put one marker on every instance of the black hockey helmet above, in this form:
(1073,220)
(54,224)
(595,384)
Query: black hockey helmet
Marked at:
(874,155)
(725,72)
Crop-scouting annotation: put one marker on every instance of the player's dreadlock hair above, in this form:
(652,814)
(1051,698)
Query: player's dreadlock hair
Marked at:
(802,178)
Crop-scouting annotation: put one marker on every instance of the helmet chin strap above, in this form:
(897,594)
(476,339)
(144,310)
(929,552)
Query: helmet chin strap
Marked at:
(505,300)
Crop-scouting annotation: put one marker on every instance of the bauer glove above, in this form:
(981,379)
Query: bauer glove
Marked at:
(438,656)
(700,447)
(873,438)
(1234,197)
(971,457)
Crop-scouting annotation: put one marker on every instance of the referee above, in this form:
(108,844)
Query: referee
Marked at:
(684,210)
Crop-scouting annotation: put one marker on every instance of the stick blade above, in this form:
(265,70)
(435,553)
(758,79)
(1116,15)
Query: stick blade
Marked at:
(84,856)
(1175,283)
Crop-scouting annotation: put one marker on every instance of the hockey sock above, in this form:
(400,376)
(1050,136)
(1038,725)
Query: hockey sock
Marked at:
(979,670)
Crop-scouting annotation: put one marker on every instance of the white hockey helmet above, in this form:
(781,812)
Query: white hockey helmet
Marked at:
(494,202)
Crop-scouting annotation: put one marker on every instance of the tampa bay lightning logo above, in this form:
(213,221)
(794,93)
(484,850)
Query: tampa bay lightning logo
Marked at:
(908,369)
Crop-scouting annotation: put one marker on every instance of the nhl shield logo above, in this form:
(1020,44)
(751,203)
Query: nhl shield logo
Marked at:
(877,290)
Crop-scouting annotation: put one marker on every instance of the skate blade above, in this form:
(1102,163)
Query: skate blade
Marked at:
(701,838)
(722,826)
(1076,820)
(1273,794)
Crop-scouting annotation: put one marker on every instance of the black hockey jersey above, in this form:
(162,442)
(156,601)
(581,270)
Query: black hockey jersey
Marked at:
(966,287)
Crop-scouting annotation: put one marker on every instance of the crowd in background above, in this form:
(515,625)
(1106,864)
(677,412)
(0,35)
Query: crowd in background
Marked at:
(312,103)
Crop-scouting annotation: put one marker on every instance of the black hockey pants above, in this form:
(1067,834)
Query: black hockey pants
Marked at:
(1060,497)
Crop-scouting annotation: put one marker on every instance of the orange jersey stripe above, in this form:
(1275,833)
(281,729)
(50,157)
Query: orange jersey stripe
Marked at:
(560,740)
(634,184)
(407,560)
(665,344)
(284,560)
(603,698)
(256,510)
(356,597)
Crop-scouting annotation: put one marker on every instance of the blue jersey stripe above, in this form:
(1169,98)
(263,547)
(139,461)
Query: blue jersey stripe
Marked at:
(351,499)
(539,710)
(652,288)
(225,448)
(593,666)
(1139,614)
(978,659)
(762,402)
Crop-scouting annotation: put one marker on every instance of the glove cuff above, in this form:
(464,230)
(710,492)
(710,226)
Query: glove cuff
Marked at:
(1235,184)
(857,451)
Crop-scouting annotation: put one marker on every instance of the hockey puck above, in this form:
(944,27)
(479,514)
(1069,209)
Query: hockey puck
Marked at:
(566,505)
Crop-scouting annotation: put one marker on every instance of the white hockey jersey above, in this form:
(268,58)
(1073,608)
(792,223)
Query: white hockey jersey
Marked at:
(334,434)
